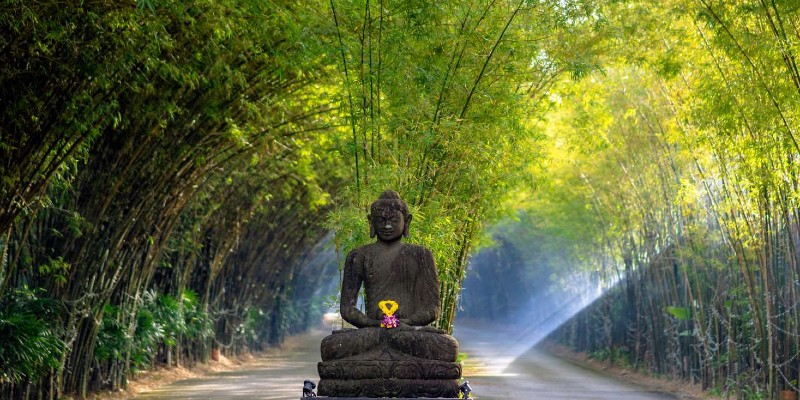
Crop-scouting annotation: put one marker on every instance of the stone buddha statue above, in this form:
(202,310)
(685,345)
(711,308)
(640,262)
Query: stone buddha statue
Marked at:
(409,360)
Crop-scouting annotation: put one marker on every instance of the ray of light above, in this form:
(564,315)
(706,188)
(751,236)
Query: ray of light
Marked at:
(501,344)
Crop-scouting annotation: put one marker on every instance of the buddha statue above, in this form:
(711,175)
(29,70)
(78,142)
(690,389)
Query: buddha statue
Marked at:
(410,359)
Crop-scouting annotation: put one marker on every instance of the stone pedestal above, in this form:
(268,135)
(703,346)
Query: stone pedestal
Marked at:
(394,388)
(385,371)
(398,379)
(372,398)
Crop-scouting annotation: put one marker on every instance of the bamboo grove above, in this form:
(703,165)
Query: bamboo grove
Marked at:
(171,171)
(169,167)
(160,186)
(440,106)
(688,161)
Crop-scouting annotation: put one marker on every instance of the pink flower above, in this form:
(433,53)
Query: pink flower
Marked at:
(389,322)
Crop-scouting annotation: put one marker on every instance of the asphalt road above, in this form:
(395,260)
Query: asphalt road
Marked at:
(501,366)
(278,374)
(497,367)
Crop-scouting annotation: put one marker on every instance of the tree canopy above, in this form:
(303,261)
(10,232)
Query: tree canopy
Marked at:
(169,172)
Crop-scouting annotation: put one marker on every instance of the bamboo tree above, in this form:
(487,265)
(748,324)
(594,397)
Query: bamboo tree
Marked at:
(448,110)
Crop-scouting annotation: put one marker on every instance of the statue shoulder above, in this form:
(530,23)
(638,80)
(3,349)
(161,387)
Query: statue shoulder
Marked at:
(361,252)
(417,250)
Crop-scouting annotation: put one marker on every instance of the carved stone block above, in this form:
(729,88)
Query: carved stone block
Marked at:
(375,388)
(389,369)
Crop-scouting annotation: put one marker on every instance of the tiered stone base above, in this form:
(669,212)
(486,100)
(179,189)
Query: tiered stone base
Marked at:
(401,363)
(406,369)
(407,378)
(373,388)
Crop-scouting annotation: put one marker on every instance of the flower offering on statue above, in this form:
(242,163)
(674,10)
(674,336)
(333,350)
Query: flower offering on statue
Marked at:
(389,307)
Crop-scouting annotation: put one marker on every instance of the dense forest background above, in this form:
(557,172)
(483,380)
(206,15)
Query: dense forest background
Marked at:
(170,173)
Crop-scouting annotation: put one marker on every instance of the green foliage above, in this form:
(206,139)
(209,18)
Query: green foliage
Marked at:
(150,330)
(152,146)
(197,323)
(684,152)
(681,313)
(615,355)
(113,338)
(56,268)
(749,393)
(31,343)
(255,324)
(160,320)
(122,121)
(440,100)
(168,310)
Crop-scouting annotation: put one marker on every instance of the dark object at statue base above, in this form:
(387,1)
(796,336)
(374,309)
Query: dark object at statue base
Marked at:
(308,389)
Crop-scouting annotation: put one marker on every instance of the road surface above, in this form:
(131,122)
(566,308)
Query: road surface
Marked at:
(492,368)
(501,366)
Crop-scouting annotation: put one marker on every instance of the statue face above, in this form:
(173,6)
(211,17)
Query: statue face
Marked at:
(388,224)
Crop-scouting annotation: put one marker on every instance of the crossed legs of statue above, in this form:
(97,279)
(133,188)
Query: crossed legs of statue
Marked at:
(372,343)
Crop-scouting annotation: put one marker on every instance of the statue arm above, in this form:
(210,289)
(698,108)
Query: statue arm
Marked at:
(426,290)
(351,284)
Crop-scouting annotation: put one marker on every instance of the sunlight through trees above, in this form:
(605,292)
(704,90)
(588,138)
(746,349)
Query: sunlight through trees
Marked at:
(167,167)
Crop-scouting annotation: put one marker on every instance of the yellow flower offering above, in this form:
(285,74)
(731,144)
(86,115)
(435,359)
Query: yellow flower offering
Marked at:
(389,307)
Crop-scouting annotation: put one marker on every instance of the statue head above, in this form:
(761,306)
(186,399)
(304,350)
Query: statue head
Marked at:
(389,217)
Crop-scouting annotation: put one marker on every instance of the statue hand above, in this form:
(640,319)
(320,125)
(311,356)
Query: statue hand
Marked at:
(432,329)
(404,326)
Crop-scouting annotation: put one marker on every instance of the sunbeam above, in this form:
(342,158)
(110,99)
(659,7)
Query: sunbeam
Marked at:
(501,343)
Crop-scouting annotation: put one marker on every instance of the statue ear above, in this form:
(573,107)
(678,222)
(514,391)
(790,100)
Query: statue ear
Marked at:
(371,226)
(407,223)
